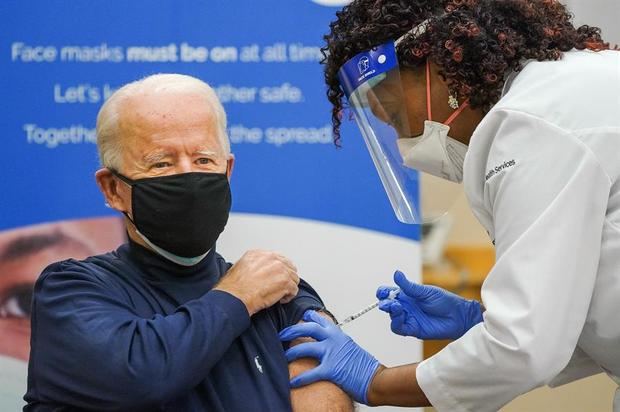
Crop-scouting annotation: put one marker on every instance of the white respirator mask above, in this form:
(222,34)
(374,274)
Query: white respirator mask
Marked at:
(435,152)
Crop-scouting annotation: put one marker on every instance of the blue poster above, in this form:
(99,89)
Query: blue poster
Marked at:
(60,60)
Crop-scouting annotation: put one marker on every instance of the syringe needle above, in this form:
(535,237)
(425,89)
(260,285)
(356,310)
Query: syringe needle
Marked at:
(367,309)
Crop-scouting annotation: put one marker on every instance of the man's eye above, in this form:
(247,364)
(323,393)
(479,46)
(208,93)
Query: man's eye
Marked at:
(17,302)
(160,165)
(204,161)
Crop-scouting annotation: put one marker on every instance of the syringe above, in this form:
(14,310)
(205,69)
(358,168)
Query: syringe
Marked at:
(392,295)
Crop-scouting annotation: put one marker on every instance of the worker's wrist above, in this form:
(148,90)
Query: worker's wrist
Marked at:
(397,386)
(374,393)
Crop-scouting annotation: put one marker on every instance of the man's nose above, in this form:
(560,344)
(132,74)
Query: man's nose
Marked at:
(184,165)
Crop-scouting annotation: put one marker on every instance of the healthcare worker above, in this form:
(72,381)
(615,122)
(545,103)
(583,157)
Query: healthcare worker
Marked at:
(511,98)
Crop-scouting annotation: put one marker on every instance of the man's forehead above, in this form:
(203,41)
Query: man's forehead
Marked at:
(167,120)
(161,106)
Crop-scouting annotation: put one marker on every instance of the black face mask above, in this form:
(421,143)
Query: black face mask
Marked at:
(182,214)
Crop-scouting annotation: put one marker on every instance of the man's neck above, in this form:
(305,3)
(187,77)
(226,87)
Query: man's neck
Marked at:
(133,235)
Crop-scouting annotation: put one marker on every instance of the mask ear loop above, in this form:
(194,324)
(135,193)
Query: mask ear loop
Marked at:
(457,112)
(129,183)
(122,178)
(429,112)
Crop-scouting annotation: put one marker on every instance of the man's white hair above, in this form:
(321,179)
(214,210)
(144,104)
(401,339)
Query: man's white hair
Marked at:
(108,142)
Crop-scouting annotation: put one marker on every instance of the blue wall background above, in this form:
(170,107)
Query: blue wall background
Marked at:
(45,182)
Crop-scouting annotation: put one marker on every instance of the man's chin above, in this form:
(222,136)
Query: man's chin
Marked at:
(13,376)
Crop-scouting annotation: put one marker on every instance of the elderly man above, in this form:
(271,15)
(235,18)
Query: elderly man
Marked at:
(163,322)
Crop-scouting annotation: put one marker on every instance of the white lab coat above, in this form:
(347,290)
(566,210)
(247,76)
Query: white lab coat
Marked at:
(542,174)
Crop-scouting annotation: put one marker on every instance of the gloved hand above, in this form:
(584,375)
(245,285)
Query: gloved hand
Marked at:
(342,361)
(428,312)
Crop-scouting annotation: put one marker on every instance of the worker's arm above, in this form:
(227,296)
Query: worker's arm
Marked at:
(349,366)
(547,198)
(548,208)
(322,396)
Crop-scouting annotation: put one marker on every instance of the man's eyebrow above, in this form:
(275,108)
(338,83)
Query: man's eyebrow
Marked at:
(155,157)
(205,152)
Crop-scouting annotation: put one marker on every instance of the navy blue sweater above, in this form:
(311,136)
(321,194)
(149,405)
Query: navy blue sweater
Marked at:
(131,331)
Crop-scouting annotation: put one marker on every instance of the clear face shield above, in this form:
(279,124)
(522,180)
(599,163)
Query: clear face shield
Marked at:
(420,172)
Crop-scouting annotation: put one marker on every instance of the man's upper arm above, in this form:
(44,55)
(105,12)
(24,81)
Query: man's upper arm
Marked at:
(319,396)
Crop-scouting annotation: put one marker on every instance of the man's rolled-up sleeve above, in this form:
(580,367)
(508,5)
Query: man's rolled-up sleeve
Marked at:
(307,298)
(548,212)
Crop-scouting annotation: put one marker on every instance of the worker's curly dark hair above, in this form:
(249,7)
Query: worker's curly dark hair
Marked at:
(474,42)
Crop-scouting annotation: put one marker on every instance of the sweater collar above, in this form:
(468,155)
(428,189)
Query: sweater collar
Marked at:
(156,267)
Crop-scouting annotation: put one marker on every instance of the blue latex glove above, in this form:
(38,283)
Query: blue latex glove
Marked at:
(428,312)
(342,361)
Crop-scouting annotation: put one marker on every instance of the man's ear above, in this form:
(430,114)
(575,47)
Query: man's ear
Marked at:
(110,187)
(230,164)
